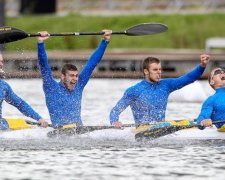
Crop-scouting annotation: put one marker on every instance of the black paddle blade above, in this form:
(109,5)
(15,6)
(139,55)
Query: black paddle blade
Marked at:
(10,34)
(76,130)
(153,133)
(146,29)
(62,132)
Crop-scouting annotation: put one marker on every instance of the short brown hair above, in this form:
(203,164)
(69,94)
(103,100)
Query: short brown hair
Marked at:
(68,67)
(149,60)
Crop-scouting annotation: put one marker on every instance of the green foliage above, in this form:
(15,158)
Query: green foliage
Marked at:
(185,31)
(69,42)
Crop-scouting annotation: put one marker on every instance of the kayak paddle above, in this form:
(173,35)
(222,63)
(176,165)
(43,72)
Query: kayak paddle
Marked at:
(156,131)
(10,34)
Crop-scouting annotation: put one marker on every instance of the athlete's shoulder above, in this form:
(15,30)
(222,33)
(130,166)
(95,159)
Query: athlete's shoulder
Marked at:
(4,83)
(167,80)
(4,86)
(137,85)
(210,100)
(137,88)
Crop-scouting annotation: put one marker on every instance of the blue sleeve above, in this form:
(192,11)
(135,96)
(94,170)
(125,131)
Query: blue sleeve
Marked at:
(20,104)
(44,66)
(177,83)
(122,104)
(92,63)
(206,111)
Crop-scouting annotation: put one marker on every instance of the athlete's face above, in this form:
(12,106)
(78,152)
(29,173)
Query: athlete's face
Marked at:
(70,79)
(153,73)
(217,78)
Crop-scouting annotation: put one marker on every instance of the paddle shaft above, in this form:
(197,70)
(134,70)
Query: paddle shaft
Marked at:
(77,34)
(35,123)
(84,127)
(125,125)
(10,34)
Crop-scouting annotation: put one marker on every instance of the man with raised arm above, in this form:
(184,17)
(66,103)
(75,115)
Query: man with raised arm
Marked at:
(148,98)
(63,99)
(7,94)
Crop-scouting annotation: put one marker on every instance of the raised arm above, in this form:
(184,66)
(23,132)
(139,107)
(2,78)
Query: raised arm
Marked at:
(43,59)
(195,74)
(94,59)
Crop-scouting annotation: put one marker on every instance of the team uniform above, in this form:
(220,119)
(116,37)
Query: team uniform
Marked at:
(148,100)
(7,94)
(214,108)
(64,105)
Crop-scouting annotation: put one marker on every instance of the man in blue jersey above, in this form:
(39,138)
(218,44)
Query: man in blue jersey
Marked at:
(148,98)
(7,94)
(213,109)
(63,98)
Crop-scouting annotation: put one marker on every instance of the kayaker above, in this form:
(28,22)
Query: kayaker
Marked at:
(213,109)
(148,98)
(7,94)
(63,99)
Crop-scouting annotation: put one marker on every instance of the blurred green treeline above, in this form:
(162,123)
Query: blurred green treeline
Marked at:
(185,30)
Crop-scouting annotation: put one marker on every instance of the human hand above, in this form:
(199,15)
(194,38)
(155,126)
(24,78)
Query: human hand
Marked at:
(204,58)
(43,123)
(44,35)
(107,34)
(206,123)
(117,124)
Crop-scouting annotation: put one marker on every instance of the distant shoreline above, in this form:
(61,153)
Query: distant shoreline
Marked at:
(115,63)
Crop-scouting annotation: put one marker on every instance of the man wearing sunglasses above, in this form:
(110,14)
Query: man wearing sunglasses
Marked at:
(213,109)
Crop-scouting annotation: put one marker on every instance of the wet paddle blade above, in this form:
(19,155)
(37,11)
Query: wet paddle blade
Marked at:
(69,132)
(10,34)
(152,133)
(62,132)
(157,131)
(76,130)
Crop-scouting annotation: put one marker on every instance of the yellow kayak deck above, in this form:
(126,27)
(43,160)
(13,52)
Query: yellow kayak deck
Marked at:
(14,124)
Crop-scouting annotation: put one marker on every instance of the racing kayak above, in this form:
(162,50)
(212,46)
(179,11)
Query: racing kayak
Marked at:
(182,130)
